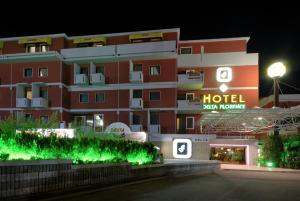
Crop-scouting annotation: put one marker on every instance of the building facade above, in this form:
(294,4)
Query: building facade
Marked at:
(150,80)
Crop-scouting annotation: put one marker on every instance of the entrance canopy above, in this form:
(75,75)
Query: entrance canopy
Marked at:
(250,120)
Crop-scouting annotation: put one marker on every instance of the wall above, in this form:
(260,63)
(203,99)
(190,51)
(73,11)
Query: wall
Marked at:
(30,178)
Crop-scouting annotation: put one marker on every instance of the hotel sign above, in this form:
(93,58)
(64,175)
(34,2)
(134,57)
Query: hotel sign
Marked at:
(223,102)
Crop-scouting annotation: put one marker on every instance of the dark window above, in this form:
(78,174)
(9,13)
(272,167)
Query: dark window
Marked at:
(185,50)
(83,98)
(154,119)
(84,71)
(28,72)
(137,67)
(155,95)
(44,119)
(137,94)
(155,70)
(43,72)
(100,97)
(100,69)
(28,116)
(44,93)
(136,119)
(190,122)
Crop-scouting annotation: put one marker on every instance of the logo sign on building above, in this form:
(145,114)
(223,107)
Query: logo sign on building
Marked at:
(224,74)
(182,148)
(223,102)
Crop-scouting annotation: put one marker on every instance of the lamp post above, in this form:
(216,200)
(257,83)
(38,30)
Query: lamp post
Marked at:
(275,71)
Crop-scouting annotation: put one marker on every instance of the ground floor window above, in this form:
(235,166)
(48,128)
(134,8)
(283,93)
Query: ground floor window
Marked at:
(234,155)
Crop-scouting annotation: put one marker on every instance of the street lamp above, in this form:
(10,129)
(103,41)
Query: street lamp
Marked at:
(275,71)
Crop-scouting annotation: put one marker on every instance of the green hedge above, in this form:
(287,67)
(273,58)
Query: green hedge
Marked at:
(80,149)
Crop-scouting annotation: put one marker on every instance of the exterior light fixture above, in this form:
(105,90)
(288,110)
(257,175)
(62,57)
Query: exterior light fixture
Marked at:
(276,70)
(223,88)
(224,74)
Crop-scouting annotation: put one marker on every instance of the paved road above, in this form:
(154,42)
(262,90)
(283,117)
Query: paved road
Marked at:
(224,185)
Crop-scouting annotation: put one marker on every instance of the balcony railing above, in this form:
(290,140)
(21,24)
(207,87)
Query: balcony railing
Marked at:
(136,103)
(97,78)
(188,81)
(136,128)
(81,79)
(154,129)
(187,104)
(136,76)
(23,102)
(148,48)
(39,102)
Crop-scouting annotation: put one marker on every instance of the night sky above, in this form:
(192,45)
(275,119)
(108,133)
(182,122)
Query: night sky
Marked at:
(273,32)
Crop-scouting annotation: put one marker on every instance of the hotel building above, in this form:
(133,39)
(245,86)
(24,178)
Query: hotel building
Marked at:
(150,80)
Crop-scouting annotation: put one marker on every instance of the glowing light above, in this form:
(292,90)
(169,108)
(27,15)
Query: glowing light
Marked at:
(224,74)
(270,164)
(223,88)
(277,69)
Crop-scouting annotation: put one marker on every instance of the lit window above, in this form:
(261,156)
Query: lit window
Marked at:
(155,95)
(43,72)
(83,98)
(28,72)
(186,50)
(44,48)
(30,48)
(100,97)
(155,70)
(190,122)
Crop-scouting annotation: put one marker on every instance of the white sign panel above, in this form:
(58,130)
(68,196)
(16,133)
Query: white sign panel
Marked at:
(118,127)
(182,148)
(224,74)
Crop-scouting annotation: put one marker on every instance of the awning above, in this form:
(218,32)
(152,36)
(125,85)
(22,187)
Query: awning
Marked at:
(35,40)
(145,35)
(90,40)
(1,44)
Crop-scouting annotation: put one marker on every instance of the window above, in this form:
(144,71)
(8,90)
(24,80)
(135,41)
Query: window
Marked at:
(190,96)
(136,119)
(155,70)
(155,95)
(43,72)
(84,71)
(190,123)
(30,48)
(28,93)
(100,97)
(137,67)
(154,119)
(44,119)
(84,98)
(44,48)
(137,93)
(100,69)
(28,116)
(44,93)
(186,50)
(28,72)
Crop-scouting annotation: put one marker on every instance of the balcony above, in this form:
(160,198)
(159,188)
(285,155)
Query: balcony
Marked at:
(190,82)
(195,105)
(23,102)
(81,79)
(136,128)
(97,78)
(136,76)
(154,129)
(155,50)
(39,102)
(86,54)
(136,103)
(217,59)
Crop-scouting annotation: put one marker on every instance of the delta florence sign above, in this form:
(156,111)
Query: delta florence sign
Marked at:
(223,102)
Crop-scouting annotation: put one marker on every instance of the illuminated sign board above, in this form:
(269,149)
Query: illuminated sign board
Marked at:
(182,148)
(223,102)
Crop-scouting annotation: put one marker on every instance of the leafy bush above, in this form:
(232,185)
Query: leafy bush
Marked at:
(105,148)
